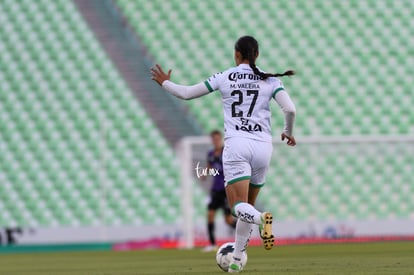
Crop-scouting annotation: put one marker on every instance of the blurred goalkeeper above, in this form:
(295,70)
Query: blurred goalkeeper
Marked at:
(218,197)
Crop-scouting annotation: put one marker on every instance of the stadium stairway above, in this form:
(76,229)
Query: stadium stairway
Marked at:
(130,58)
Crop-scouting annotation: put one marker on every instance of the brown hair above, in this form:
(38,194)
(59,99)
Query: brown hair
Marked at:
(249,49)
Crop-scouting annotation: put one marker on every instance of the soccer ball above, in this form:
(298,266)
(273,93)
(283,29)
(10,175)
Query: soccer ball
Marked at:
(224,256)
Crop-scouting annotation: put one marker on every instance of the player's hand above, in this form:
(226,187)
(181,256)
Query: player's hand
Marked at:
(159,75)
(290,140)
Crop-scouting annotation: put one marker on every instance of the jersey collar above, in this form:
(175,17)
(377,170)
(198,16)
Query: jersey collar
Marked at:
(244,66)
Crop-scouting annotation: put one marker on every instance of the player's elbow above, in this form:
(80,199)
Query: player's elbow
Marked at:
(187,97)
(290,110)
(183,96)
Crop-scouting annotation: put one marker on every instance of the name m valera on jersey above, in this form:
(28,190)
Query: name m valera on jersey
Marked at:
(245,86)
(234,76)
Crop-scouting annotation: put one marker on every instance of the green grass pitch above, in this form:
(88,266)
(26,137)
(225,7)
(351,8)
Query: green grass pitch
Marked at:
(363,258)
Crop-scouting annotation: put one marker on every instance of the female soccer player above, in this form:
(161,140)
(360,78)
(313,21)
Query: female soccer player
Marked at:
(246,93)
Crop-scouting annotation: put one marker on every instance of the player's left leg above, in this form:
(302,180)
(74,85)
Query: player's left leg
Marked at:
(244,229)
(237,195)
(237,157)
(228,217)
(247,216)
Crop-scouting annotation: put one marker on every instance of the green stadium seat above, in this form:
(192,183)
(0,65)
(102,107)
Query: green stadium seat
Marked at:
(341,31)
(61,86)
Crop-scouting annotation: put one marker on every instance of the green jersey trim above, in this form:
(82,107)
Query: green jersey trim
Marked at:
(277,90)
(208,86)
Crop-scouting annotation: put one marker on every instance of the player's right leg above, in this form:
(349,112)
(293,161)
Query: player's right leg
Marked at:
(237,195)
(260,163)
(265,228)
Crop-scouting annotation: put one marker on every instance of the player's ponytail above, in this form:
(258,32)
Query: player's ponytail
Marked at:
(249,49)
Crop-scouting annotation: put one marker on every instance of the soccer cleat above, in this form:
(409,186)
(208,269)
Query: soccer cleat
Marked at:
(266,230)
(235,267)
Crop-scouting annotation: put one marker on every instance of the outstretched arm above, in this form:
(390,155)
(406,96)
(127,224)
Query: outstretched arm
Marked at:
(288,108)
(180,91)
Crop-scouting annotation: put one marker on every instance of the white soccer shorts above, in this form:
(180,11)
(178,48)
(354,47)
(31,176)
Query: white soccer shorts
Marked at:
(245,158)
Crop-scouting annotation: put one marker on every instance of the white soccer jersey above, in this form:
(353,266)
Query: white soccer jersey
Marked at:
(245,101)
(248,137)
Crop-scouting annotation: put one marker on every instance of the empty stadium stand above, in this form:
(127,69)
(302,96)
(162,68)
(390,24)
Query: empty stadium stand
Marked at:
(76,146)
(351,57)
(354,78)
